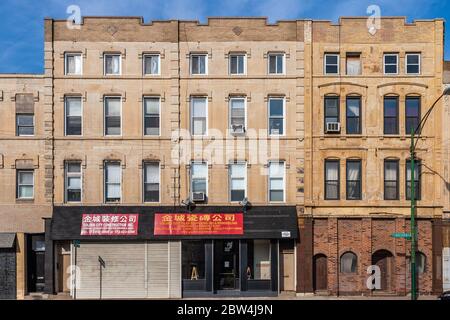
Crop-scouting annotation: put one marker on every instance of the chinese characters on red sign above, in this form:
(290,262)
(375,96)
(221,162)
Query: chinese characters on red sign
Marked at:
(199,224)
(109,224)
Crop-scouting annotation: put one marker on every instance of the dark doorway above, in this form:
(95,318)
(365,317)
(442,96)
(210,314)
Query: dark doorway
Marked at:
(7,273)
(320,282)
(35,257)
(226,264)
(385,261)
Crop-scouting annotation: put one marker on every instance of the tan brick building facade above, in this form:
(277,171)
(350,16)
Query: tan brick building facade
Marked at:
(276,74)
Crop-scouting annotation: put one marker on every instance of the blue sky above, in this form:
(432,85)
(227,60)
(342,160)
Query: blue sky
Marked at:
(21,23)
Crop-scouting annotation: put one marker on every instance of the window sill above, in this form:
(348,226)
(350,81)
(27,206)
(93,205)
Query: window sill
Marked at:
(25,200)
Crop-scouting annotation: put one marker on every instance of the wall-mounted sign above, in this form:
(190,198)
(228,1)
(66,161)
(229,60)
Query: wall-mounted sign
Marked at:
(199,224)
(109,224)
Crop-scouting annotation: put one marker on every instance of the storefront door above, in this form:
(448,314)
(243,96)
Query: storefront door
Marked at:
(36,253)
(226,271)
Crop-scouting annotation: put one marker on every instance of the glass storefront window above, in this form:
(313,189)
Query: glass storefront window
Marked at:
(259,263)
(193,260)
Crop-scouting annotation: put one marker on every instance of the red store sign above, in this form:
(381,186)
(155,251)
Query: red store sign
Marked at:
(109,224)
(199,224)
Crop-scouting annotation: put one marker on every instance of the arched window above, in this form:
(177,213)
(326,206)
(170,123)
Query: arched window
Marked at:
(348,262)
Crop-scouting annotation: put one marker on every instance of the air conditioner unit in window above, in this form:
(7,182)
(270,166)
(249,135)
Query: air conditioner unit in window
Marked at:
(198,196)
(333,127)
(237,128)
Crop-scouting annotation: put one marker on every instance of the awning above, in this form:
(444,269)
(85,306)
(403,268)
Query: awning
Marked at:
(258,222)
(7,240)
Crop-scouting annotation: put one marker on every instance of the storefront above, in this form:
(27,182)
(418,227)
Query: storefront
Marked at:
(7,266)
(168,252)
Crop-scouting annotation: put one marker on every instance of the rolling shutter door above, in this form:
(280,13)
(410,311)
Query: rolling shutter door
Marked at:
(123,275)
(7,273)
(175,269)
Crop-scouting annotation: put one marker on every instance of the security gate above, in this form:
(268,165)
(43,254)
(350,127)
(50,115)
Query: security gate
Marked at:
(7,273)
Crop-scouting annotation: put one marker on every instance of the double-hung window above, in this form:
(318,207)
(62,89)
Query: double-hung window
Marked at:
(276,116)
(391,180)
(25,124)
(331,63)
(417,172)
(151,116)
(113,64)
(25,184)
(199,64)
(412,109)
(331,179)
(199,116)
(113,112)
(73,112)
(276,63)
(353,125)
(238,183)
(151,64)
(412,63)
(390,63)
(73,64)
(331,110)
(237,115)
(151,181)
(113,179)
(199,177)
(353,180)
(73,181)
(237,63)
(390,115)
(276,181)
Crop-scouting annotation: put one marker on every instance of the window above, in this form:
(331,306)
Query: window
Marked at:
(199,116)
(113,110)
(348,263)
(73,113)
(193,256)
(151,116)
(413,63)
(353,64)
(353,125)
(331,179)
(237,115)
(258,260)
(238,183)
(151,182)
(113,64)
(390,63)
(276,181)
(73,64)
(276,116)
(113,177)
(25,184)
(331,109)
(417,173)
(151,64)
(331,61)
(276,63)
(237,64)
(391,179)
(73,181)
(390,115)
(25,124)
(353,180)
(199,64)
(412,109)
(199,177)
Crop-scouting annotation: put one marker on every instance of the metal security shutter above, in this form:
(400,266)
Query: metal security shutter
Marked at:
(446,269)
(158,269)
(123,275)
(175,269)
(7,274)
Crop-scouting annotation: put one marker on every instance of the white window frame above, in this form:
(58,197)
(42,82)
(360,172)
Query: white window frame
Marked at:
(66,180)
(270,54)
(19,171)
(105,163)
(191,65)
(229,111)
(159,64)
(325,63)
(244,163)
(143,116)
(66,55)
(384,63)
(237,54)
(205,163)
(17,125)
(104,116)
(284,115)
(120,64)
(419,60)
(269,178)
(192,118)
(65,116)
(145,162)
